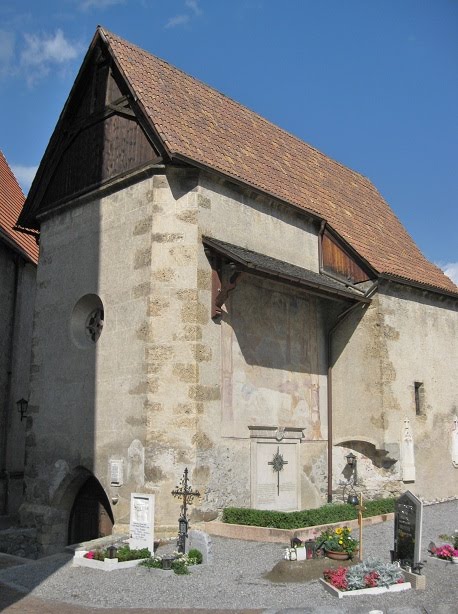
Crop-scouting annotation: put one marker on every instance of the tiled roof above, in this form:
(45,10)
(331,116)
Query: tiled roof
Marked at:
(197,123)
(11,202)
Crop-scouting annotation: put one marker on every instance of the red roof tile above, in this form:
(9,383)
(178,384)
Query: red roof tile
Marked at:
(11,202)
(198,123)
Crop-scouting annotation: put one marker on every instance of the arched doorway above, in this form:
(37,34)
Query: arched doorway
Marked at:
(91,516)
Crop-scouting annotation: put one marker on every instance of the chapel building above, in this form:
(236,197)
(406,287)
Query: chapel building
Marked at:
(214,293)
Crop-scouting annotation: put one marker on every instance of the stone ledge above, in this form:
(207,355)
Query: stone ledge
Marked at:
(269,534)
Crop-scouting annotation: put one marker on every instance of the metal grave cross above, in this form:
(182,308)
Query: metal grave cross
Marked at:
(185,491)
(277,464)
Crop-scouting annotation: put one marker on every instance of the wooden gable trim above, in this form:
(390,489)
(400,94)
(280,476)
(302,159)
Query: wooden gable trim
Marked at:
(70,127)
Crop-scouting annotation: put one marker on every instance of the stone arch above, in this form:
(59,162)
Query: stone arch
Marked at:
(84,502)
(380,457)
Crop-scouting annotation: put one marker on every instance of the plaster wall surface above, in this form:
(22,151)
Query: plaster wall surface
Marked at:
(266,357)
(166,387)
(404,336)
(258,223)
(88,400)
(421,333)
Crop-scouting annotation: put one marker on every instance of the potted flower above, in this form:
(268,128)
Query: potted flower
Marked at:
(338,543)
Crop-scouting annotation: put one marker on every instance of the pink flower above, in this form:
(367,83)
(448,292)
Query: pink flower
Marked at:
(445,552)
(89,555)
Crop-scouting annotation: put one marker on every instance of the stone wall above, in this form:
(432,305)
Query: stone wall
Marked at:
(165,387)
(405,336)
(90,402)
(20,542)
(266,368)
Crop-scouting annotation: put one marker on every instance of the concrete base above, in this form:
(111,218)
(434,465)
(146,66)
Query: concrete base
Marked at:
(417,582)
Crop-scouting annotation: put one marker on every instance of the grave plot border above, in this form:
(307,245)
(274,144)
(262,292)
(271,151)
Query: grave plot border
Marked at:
(79,560)
(376,590)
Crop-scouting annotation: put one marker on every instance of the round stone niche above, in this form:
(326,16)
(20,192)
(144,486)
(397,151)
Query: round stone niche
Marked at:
(87,321)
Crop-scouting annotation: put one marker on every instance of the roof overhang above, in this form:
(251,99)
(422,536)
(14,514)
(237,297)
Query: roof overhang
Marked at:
(283,272)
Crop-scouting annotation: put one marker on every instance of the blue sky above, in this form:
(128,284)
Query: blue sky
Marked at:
(371,83)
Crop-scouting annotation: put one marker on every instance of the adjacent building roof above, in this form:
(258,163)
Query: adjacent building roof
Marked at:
(11,202)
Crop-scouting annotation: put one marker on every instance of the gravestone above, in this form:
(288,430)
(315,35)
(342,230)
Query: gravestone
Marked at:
(408,516)
(141,521)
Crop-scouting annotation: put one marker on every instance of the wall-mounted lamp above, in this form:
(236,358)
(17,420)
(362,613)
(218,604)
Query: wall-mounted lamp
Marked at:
(352,465)
(351,460)
(22,405)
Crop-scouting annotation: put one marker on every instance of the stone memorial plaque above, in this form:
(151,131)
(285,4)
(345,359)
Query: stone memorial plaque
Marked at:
(141,521)
(275,476)
(408,517)
(116,473)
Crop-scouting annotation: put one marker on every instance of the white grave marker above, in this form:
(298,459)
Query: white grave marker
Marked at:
(141,521)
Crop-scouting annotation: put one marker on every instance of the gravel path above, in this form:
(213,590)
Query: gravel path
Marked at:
(235,579)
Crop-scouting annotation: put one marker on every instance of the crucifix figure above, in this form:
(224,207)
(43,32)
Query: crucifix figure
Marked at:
(277,464)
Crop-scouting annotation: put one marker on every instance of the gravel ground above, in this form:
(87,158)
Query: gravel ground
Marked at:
(235,579)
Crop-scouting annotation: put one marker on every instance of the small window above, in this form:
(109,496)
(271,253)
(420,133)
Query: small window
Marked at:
(87,321)
(419,398)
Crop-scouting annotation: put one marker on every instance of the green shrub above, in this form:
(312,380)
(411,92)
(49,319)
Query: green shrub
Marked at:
(327,514)
(195,557)
(124,553)
(180,567)
(152,562)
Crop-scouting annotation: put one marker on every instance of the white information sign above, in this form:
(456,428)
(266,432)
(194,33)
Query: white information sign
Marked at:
(141,521)
(116,473)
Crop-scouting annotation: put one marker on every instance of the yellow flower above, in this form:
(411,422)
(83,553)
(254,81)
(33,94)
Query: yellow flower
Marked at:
(340,541)
(338,530)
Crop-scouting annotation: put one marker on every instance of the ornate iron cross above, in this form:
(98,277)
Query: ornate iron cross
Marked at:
(277,463)
(185,491)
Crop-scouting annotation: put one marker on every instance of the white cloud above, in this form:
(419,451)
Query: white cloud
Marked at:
(184,18)
(99,4)
(179,20)
(451,270)
(7,41)
(24,175)
(41,53)
(193,5)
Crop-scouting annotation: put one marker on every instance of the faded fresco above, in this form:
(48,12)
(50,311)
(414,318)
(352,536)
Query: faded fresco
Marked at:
(269,360)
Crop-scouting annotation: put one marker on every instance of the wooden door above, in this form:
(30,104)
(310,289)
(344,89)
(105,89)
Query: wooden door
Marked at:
(91,515)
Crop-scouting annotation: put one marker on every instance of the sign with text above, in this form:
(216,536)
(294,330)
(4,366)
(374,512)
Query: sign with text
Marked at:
(116,473)
(408,516)
(141,521)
